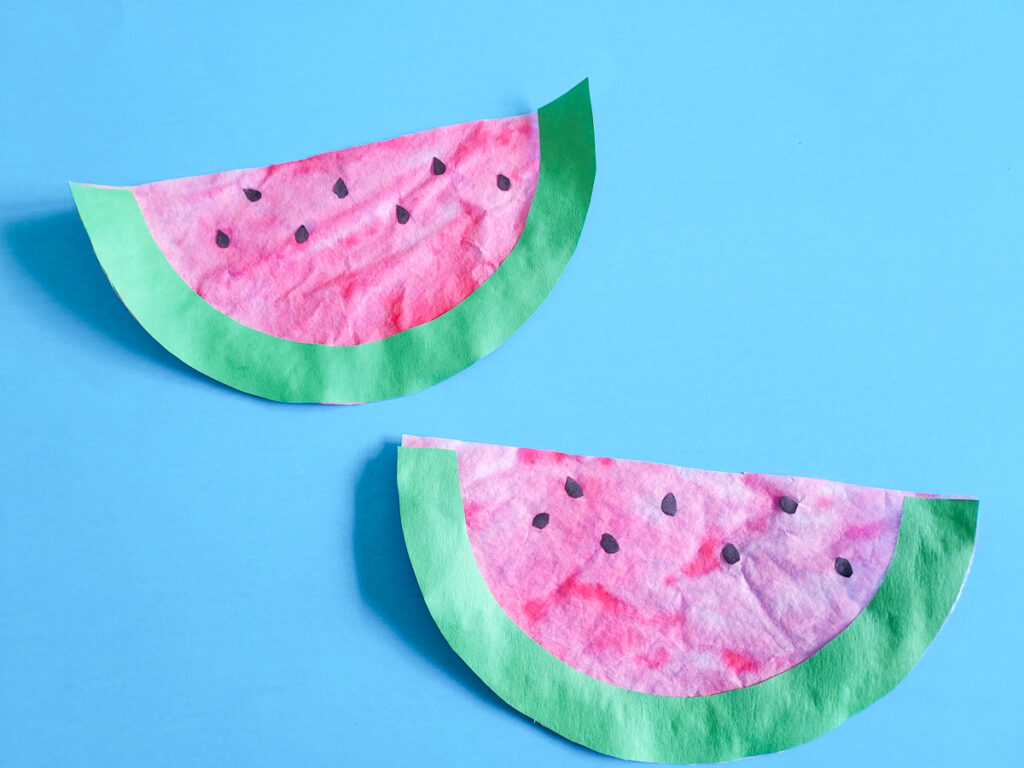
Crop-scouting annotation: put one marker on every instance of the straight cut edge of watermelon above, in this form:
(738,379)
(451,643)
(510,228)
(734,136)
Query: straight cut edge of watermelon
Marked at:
(860,665)
(289,371)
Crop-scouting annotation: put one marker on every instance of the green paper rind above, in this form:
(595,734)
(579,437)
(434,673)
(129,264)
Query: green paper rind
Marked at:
(860,665)
(279,369)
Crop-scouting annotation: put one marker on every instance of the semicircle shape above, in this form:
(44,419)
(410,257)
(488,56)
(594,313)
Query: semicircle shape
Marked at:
(420,354)
(860,664)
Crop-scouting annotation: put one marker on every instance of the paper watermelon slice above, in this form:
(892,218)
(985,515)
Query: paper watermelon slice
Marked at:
(675,615)
(355,275)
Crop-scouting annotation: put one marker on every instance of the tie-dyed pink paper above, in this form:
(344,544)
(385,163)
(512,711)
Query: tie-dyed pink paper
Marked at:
(628,570)
(358,275)
(357,245)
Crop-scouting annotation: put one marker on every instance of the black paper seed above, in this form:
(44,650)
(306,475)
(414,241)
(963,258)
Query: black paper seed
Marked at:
(223,240)
(668,504)
(541,520)
(438,167)
(609,544)
(730,554)
(301,234)
(503,183)
(573,488)
(340,189)
(401,214)
(252,194)
(788,505)
(843,567)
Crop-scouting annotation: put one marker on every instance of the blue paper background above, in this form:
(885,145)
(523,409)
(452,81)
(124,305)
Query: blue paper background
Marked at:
(804,256)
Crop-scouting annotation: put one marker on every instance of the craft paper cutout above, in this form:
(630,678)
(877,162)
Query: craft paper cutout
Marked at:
(356,275)
(666,614)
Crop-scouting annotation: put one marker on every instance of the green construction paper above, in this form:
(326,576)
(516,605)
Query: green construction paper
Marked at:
(860,665)
(289,371)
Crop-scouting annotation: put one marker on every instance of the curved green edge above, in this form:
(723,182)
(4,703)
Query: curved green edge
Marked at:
(278,369)
(861,664)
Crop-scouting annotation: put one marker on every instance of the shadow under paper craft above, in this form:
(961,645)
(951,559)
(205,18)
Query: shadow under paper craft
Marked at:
(355,275)
(665,614)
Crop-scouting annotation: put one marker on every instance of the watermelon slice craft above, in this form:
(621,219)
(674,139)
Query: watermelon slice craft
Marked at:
(355,275)
(665,614)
